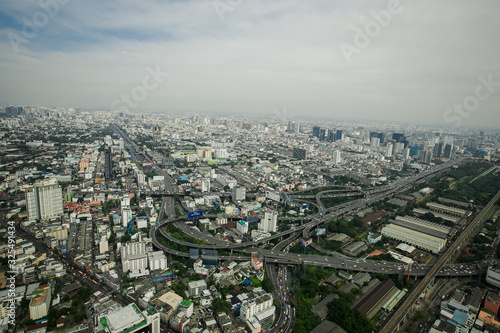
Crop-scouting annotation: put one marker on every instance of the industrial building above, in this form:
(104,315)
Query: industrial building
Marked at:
(446,217)
(424,226)
(446,209)
(374,300)
(413,237)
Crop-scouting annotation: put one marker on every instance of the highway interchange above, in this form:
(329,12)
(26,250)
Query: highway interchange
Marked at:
(279,257)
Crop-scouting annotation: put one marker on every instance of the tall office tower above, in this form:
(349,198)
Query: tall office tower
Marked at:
(448,150)
(291,127)
(414,151)
(156,134)
(388,152)
(331,135)
(269,222)
(322,134)
(238,194)
(44,201)
(316,131)
(428,156)
(399,137)
(338,136)
(374,135)
(375,142)
(383,138)
(121,144)
(108,165)
(337,157)
(406,153)
(299,153)
(438,150)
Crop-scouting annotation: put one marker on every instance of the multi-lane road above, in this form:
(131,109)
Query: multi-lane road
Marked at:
(284,320)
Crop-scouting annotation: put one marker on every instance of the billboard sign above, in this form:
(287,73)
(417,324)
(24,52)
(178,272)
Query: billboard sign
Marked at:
(196,213)
(320,232)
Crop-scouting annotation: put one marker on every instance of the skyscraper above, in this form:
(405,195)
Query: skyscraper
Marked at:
(399,137)
(388,152)
(316,131)
(331,135)
(108,165)
(322,134)
(338,136)
(269,222)
(337,157)
(238,194)
(448,150)
(44,201)
(156,134)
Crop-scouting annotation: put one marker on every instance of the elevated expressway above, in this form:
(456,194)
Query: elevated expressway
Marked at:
(336,260)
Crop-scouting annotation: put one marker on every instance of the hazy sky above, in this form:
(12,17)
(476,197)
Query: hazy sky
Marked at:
(253,56)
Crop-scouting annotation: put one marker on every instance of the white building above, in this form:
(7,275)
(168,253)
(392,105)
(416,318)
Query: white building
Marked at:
(238,194)
(221,153)
(133,248)
(103,245)
(141,178)
(493,276)
(242,227)
(413,237)
(255,305)
(256,264)
(406,153)
(205,185)
(44,201)
(134,262)
(388,152)
(126,216)
(375,142)
(157,260)
(337,157)
(269,222)
(196,287)
(129,319)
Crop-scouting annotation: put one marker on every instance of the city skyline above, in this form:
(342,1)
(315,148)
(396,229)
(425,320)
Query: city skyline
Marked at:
(246,57)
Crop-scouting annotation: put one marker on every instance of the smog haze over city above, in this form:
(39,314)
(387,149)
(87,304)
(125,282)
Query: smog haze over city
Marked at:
(403,61)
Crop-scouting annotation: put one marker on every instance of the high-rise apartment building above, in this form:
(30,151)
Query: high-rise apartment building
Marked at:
(44,201)
(238,194)
(337,157)
(269,222)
